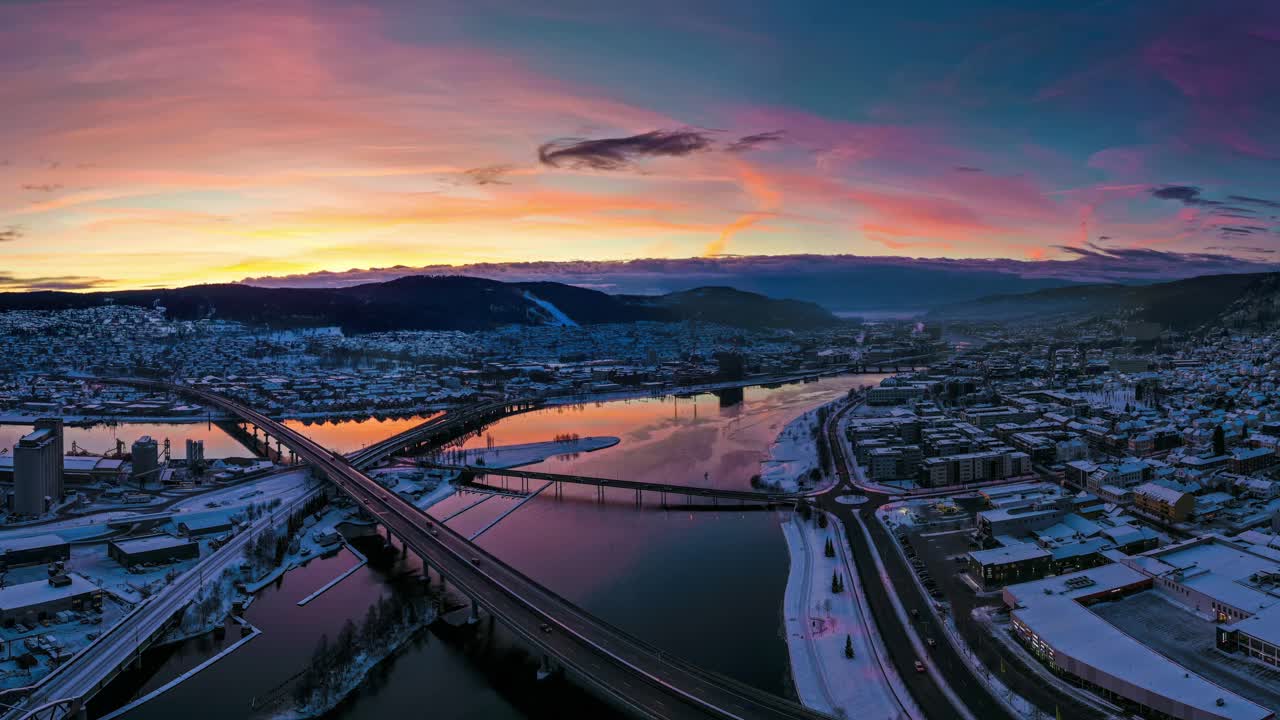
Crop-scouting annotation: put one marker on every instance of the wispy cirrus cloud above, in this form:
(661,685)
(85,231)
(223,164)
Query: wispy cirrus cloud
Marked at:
(747,143)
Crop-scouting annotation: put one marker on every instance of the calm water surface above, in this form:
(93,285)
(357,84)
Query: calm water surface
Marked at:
(703,584)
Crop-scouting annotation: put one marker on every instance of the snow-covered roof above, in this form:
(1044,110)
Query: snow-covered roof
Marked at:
(1016,552)
(152,542)
(30,543)
(1085,644)
(33,594)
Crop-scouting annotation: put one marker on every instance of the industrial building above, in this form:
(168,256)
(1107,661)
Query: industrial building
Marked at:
(209,525)
(195,453)
(34,601)
(35,550)
(146,460)
(75,468)
(37,468)
(153,549)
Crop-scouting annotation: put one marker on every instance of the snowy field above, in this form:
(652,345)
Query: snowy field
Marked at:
(793,455)
(818,623)
(510,456)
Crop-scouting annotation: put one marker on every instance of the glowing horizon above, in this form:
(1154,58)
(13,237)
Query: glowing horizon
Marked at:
(153,144)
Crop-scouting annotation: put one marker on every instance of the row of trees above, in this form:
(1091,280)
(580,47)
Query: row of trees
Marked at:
(329,674)
(269,547)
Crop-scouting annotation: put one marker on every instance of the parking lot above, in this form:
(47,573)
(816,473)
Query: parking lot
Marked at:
(936,542)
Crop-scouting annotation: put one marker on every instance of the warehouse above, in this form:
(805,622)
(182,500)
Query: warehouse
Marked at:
(18,552)
(154,549)
(1053,619)
(75,468)
(212,524)
(34,601)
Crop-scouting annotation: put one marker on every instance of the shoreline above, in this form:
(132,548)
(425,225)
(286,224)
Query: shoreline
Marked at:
(817,623)
(342,416)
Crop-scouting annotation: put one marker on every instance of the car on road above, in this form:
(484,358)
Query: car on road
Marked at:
(919,666)
(545,628)
(931,642)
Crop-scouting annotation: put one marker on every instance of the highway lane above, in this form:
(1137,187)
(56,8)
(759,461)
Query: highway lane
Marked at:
(89,670)
(365,457)
(956,673)
(636,676)
(710,492)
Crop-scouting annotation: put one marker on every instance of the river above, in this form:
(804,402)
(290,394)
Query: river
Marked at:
(706,585)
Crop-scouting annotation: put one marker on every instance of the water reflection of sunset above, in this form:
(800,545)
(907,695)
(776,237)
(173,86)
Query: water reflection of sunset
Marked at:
(348,435)
(663,574)
(682,440)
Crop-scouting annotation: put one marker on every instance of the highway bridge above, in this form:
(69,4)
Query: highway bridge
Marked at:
(639,679)
(662,489)
(64,692)
(439,429)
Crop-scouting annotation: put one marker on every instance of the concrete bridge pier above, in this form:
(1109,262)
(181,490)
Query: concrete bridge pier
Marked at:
(474,616)
(545,668)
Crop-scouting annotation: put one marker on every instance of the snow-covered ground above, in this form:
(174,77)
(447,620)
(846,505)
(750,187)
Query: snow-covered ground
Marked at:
(793,455)
(818,624)
(509,456)
(556,314)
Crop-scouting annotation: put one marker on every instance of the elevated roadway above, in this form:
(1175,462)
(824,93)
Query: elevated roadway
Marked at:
(64,692)
(638,487)
(638,678)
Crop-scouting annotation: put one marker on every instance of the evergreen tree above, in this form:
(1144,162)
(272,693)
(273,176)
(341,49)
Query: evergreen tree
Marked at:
(848,646)
(830,550)
(822,519)
(837,585)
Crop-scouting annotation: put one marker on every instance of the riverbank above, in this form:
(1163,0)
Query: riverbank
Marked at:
(793,456)
(338,670)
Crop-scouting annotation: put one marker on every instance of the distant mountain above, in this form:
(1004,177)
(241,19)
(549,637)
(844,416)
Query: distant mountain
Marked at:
(728,306)
(1180,304)
(840,283)
(435,302)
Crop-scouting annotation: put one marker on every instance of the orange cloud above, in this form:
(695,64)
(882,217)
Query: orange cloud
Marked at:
(767,200)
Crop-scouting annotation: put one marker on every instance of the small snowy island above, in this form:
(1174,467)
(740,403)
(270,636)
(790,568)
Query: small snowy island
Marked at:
(509,456)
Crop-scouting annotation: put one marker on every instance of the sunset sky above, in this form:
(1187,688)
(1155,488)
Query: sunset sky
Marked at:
(145,144)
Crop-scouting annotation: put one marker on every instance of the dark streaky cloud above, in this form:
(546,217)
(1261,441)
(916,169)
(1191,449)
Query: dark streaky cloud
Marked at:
(747,143)
(619,153)
(1185,194)
(57,282)
(42,187)
(11,233)
(1255,201)
(489,175)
